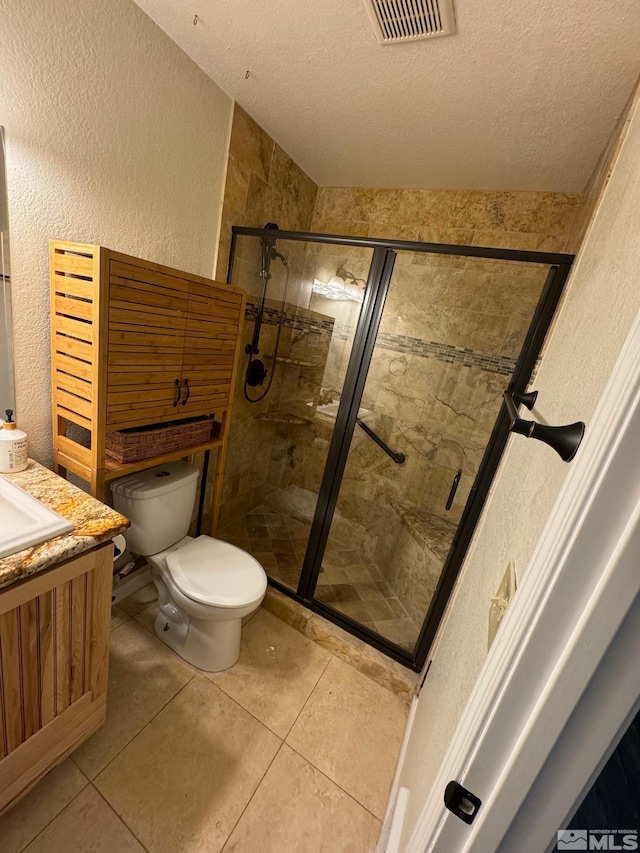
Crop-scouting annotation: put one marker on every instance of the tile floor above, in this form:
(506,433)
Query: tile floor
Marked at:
(290,750)
(349,582)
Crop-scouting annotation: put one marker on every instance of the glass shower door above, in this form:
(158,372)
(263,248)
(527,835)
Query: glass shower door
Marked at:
(450,332)
(303,306)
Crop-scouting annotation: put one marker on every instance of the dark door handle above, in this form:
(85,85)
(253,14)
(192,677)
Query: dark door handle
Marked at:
(179,390)
(454,489)
(188,394)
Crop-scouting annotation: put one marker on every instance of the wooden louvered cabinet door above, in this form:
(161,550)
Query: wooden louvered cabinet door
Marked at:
(54,660)
(211,333)
(147,322)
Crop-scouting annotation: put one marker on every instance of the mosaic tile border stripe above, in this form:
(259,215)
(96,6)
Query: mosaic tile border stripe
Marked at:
(446,353)
(271,316)
(465,356)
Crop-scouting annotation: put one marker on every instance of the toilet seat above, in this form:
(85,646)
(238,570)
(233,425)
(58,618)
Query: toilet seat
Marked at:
(217,573)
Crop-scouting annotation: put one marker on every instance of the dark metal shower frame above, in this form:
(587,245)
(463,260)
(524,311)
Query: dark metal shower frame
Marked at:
(379,279)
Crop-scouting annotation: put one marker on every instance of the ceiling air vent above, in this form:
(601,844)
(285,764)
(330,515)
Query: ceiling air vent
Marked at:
(410,20)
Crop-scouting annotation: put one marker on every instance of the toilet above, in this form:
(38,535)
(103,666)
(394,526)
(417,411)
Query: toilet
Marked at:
(205,586)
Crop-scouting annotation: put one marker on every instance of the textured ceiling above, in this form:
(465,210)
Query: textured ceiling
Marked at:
(523,96)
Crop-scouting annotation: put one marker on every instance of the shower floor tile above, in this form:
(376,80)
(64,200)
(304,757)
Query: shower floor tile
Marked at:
(349,581)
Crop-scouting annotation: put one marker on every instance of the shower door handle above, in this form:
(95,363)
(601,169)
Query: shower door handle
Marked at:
(454,489)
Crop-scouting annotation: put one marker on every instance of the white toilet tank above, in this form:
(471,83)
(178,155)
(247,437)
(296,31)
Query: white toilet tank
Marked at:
(159,504)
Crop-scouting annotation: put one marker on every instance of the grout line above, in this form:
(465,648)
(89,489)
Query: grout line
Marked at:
(148,723)
(119,816)
(57,814)
(313,690)
(333,782)
(255,791)
(235,702)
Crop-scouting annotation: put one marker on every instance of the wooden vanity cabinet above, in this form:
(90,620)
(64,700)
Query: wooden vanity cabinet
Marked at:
(135,343)
(54,666)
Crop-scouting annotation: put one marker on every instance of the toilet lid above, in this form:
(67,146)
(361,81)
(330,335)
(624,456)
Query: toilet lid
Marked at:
(215,572)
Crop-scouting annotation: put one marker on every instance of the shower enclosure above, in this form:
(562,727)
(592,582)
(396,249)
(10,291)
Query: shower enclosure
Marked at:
(364,441)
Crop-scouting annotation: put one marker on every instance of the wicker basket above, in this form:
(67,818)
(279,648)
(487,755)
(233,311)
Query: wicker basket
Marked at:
(131,445)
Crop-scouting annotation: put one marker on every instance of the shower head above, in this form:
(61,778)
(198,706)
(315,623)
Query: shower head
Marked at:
(269,252)
(268,249)
(275,254)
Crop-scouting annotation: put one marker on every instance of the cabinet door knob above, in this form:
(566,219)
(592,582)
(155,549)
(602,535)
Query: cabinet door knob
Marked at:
(179,389)
(187,395)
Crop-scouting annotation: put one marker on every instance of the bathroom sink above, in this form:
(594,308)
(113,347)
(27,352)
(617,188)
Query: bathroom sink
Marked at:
(24,521)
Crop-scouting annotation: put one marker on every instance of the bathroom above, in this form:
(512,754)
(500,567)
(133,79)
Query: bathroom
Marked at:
(73,185)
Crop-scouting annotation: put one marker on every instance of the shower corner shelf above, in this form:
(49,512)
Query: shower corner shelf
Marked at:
(298,362)
(283,418)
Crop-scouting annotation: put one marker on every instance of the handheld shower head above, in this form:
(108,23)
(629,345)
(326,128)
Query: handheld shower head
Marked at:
(276,254)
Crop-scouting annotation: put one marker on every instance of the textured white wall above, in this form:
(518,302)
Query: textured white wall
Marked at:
(601,303)
(114,136)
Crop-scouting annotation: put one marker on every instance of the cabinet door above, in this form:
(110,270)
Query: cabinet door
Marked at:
(54,667)
(213,320)
(147,322)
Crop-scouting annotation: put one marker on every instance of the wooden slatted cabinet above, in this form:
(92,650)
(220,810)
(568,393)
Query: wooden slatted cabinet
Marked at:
(54,666)
(136,343)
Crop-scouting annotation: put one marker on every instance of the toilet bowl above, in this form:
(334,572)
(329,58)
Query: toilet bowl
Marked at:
(205,586)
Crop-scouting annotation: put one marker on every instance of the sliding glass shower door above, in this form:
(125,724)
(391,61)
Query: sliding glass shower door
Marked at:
(357,479)
(445,350)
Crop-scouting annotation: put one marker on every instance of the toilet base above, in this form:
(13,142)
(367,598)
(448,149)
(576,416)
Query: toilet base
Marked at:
(210,645)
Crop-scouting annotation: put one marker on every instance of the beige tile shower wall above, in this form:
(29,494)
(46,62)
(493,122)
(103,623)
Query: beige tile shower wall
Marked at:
(263,184)
(440,415)
(510,220)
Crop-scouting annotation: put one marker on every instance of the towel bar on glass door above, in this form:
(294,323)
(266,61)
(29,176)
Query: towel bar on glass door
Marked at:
(397,457)
(565,440)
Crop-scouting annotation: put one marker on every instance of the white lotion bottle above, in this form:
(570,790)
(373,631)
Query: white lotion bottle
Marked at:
(13,447)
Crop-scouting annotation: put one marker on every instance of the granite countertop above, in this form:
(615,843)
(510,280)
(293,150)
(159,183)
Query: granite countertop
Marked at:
(93,522)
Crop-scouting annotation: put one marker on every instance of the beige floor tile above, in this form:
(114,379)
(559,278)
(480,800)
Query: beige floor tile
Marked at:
(296,808)
(147,617)
(143,676)
(184,781)
(277,670)
(118,617)
(87,825)
(29,816)
(139,600)
(351,729)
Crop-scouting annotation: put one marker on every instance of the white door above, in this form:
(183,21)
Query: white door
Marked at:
(562,679)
